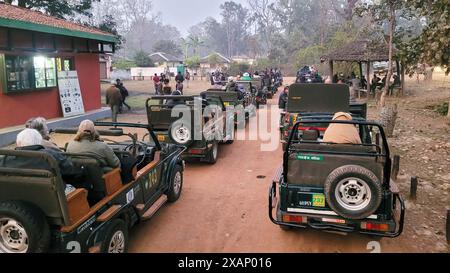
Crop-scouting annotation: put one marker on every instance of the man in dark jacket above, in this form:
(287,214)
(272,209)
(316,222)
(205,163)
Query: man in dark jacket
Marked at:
(179,77)
(124,92)
(282,103)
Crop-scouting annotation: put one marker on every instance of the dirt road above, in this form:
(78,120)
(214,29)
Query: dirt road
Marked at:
(223,208)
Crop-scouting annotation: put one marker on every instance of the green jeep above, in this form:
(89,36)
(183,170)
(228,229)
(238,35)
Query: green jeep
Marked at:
(192,124)
(318,101)
(37,216)
(337,187)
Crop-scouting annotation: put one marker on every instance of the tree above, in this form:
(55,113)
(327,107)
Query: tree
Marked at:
(142,59)
(235,24)
(432,45)
(195,42)
(385,11)
(168,46)
(193,62)
(59,9)
(110,25)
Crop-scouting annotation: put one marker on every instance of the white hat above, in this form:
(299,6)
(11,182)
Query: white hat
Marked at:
(28,137)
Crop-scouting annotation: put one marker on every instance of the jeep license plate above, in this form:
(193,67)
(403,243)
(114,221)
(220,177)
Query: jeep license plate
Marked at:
(226,104)
(316,200)
(161,138)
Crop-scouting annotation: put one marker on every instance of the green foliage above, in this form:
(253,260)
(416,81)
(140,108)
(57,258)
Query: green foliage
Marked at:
(142,59)
(59,9)
(442,109)
(193,62)
(432,45)
(108,24)
(309,55)
(237,68)
(124,64)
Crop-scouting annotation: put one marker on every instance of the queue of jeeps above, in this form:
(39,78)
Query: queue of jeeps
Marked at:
(321,185)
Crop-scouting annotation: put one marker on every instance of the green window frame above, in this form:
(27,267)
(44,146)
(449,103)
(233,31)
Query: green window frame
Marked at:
(24,73)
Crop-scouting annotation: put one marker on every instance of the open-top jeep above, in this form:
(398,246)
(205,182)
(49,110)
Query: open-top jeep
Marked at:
(318,101)
(36,215)
(337,187)
(244,107)
(199,124)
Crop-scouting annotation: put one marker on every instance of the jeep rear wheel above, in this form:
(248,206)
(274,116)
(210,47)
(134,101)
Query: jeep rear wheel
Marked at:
(23,229)
(353,192)
(116,239)
(448,227)
(181,133)
(176,184)
(213,153)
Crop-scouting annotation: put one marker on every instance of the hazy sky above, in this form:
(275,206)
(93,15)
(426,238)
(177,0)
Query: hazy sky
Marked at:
(184,14)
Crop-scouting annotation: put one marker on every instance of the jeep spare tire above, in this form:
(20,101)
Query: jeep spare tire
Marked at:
(181,133)
(353,192)
(23,229)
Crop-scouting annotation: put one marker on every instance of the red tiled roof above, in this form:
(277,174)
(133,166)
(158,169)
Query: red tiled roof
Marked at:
(35,17)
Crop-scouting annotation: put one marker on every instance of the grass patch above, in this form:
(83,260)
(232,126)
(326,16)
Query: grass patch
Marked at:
(441,109)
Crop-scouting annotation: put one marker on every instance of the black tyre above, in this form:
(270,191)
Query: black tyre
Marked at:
(176,184)
(116,239)
(353,192)
(23,229)
(181,133)
(213,153)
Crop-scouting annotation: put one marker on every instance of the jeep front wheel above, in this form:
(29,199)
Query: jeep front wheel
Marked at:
(23,229)
(353,192)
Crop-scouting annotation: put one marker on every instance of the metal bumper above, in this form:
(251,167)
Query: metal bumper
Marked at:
(335,227)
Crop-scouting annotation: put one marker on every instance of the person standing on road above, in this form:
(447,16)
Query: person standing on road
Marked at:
(157,84)
(179,77)
(114,100)
(188,78)
(167,89)
(124,92)
(282,102)
(179,87)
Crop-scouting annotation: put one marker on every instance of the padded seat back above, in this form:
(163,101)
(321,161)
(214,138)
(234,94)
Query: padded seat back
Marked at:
(93,175)
(312,168)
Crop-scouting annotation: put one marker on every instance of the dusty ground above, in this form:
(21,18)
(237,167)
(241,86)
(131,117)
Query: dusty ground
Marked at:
(223,207)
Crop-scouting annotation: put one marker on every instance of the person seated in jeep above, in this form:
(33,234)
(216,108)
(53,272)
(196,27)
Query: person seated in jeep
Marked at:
(40,125)
(31,140)
(174,102)
(87,141)
(342,133)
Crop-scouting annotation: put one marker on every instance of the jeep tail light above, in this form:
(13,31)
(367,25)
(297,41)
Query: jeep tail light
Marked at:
(196,151)
(375,226)
(287,218)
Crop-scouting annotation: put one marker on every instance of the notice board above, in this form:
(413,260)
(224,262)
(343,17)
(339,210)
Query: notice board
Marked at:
(70,94)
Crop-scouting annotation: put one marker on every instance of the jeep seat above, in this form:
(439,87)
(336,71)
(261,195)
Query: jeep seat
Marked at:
(93,175)
(314,173)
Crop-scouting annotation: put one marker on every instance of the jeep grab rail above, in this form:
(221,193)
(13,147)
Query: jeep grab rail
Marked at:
(387,167)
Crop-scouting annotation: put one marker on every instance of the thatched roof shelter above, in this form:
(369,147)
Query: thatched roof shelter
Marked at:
(359,51)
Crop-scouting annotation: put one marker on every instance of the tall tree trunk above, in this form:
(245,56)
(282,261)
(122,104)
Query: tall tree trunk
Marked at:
(448,115)
(391,56)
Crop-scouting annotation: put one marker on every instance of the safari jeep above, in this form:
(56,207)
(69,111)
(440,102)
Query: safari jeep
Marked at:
(244,106)
(319,101)
(37,216)
(337,187)
(191,125)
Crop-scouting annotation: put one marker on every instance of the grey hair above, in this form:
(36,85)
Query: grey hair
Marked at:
(28,137)
(39,124)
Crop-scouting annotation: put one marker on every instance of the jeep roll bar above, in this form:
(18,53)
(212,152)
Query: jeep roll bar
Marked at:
(132,125)
(386,154)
